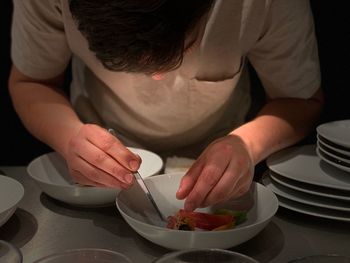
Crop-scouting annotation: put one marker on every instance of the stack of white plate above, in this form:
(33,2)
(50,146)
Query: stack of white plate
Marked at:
(306,184)
(333,143)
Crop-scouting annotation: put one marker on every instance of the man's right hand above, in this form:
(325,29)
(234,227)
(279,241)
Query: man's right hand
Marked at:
(96,157)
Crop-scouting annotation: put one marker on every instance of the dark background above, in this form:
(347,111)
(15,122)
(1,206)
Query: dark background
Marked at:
(18,147)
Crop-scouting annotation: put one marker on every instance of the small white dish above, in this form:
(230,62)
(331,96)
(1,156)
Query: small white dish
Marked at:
(50,171)
(208,255)
(309,188)
(336,131)
(334,161)
(313,210)
(301,163)
(304,198)
(260,202)
(332,146)
(11,193)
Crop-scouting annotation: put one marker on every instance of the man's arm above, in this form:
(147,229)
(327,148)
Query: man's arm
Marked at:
(44,109)
(94,157)
(225,169)
(280,123)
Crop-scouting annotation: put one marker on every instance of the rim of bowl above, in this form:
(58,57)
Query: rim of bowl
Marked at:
(179,252)
(295,260)
(77,250)
(13,202)
(13,248)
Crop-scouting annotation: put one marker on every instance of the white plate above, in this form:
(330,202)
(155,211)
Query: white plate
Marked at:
(334,147)
(50,171)
(301,163)
(336,131)
(334,161)
(309,188)
(260,202)
(11,193)
(314,211)
(333,153)
(304,198)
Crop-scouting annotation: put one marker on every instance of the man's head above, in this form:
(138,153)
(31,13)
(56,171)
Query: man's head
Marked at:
(145,36)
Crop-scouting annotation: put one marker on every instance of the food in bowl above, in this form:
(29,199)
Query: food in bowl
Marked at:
(221,219)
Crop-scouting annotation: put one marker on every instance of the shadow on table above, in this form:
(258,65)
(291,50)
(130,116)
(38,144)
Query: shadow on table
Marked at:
(265,246)
(148,247)
(20,228)
(107,218)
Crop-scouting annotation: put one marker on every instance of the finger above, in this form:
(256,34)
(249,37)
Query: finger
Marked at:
(244,183)
(235,182)
(225,186)
(103,161)
(96,175)
(82,180)
(189,179)
(111,145)
(209,177)
(243,187)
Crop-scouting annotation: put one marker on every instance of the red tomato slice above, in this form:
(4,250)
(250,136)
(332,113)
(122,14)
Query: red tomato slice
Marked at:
(206,221)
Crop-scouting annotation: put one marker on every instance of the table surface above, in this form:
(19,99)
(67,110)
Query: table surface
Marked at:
(42,226)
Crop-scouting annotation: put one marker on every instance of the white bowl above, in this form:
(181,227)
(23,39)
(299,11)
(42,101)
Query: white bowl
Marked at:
(9,253)
(261,204)
(85,255)
(205,255)
(50,171)
(11,193)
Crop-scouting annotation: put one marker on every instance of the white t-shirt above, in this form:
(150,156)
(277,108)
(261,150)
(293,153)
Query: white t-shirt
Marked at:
(207,96)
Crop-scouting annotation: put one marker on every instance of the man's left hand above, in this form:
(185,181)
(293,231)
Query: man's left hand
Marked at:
(223,171)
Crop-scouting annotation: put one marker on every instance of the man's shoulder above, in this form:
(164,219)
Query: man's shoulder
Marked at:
(39,8)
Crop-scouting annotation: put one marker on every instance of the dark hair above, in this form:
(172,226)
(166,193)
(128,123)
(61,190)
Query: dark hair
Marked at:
(145,36)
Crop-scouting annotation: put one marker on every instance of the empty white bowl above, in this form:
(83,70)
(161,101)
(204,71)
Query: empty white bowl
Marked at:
(85,255)
(11,193)
(208,255)
(261,204)
(50,171)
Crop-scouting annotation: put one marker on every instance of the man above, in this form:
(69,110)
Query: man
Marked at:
(169,76)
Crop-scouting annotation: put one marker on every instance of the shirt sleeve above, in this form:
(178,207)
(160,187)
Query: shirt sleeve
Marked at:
(285,56)
(39,47)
